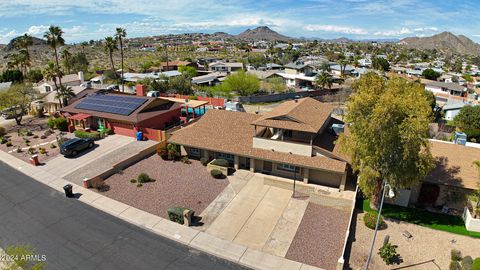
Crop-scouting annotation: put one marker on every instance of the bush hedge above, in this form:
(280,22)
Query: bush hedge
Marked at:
(455,255)
(144,178)
(217,174)
(467,262)
(3,131)
(204,161)
(220,162)
(175,214)
(454,265)
(84,135)
(59,123)
(370,220)
(476,264)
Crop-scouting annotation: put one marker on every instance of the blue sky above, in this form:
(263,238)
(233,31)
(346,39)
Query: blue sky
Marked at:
(359,19)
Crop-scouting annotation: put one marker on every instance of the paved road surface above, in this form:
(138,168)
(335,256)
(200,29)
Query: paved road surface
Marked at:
(74,235)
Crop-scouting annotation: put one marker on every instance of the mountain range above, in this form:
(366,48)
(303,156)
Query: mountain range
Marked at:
(444,41)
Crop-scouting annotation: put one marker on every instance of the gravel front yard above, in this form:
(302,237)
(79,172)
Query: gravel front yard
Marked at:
(320,237)
(427,249)
(38,139)
(177,184)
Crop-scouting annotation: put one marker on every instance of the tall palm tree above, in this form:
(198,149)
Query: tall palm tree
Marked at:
(67,56)
(324,79)
(64,94)
(120,34)
(24,60)
(50,72)
(22,43)
(54,37)
(110,46)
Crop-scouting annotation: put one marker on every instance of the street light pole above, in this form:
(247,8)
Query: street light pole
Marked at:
(376,225)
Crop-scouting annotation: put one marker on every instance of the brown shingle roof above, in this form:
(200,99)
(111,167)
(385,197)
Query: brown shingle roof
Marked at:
(151,108)
(232,132)
(306,114)
(454,165)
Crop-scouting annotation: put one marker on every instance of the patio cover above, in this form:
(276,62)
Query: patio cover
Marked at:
(80,116)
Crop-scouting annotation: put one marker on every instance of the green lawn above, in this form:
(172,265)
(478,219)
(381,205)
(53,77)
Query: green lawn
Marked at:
(442,222)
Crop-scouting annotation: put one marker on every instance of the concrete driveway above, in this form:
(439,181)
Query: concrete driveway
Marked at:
(62,166)
(262,217)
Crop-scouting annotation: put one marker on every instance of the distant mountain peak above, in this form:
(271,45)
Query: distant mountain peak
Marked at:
(262,33)
(445,41)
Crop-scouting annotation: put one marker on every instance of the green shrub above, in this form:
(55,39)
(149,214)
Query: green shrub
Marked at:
(31,150)
(139,185)
(61,124)
(19,150)
(133,181)
(455,255)
(3,131)
(454,265)
(217,174)
(84,135)
(53,146)
(35,136)
(467,262)
(27,132)
(186,160)
(4,140)
(9,143)
(42,151)
(51,123)
(370,220)
(388,253)
(144,178)
(476,264)
(175,214)
(204,161)
(220,162)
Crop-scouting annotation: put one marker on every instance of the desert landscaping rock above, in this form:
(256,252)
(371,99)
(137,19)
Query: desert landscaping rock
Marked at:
(318,241)
(176,184)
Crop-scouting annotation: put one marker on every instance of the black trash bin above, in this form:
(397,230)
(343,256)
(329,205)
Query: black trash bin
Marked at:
(68,190)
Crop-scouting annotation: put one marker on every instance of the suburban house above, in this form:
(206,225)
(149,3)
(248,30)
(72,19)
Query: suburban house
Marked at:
(225,66)
(452,89)
(451,109)
(337,70)
(298,75)
(453,176)
(52,105)
(293,141)
(174,65)
(210,79)
(123,114)
(264,74)
(45,86)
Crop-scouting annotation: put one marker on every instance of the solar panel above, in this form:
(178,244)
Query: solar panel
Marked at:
(111,104)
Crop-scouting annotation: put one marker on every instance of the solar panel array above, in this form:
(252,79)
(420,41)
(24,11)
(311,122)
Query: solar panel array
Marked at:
(111,104)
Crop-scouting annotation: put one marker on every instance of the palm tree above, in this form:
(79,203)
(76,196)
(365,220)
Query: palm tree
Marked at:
(324,79)
(54,38)
(64,94)
(22,43)
(120,34)
(110,46)
(50,72)
(24,60)
(66,56)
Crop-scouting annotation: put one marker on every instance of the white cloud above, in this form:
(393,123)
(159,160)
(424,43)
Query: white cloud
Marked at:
(419,31)
(335,29)
(5,36)
(37,30)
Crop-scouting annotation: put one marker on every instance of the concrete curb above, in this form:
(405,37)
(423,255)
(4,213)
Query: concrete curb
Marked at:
(193,238)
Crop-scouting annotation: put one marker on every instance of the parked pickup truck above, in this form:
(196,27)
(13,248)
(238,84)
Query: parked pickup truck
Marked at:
(72,147)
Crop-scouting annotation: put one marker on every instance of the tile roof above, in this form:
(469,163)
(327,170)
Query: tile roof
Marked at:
(454,165)
(232,132)
(449,86)
(306,114)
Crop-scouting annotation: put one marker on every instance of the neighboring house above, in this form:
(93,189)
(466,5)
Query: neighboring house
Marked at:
(292,141)
(210,79)
(264,74)
(453,176)
(337,70)
(67,80)
(452,89)
(225,66)
(52,105)
(298,75)
(174,65)
(365,62)
(134,77)
(123,114)
(451,109)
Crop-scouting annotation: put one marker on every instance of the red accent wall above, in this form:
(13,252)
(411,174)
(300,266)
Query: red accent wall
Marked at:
(124,129)
(150,126)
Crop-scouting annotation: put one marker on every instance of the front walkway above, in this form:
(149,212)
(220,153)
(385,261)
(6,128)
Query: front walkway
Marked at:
(260,216)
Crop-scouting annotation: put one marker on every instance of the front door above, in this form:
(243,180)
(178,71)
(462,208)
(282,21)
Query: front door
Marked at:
(267,166)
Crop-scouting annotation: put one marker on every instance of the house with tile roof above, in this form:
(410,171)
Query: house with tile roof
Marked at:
(292,141)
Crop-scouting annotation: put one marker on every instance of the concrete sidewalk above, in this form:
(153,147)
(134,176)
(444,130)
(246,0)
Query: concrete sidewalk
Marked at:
(200,240)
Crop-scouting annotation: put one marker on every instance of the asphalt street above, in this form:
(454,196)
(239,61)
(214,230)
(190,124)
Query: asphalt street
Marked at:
(73,235)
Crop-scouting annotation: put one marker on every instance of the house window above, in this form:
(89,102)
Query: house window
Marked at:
(287,133)
(288,168)
(225,156)
(48,88)
(195,152)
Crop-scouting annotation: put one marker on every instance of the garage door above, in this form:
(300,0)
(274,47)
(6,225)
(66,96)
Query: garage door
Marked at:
(123,129)
(324,178)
